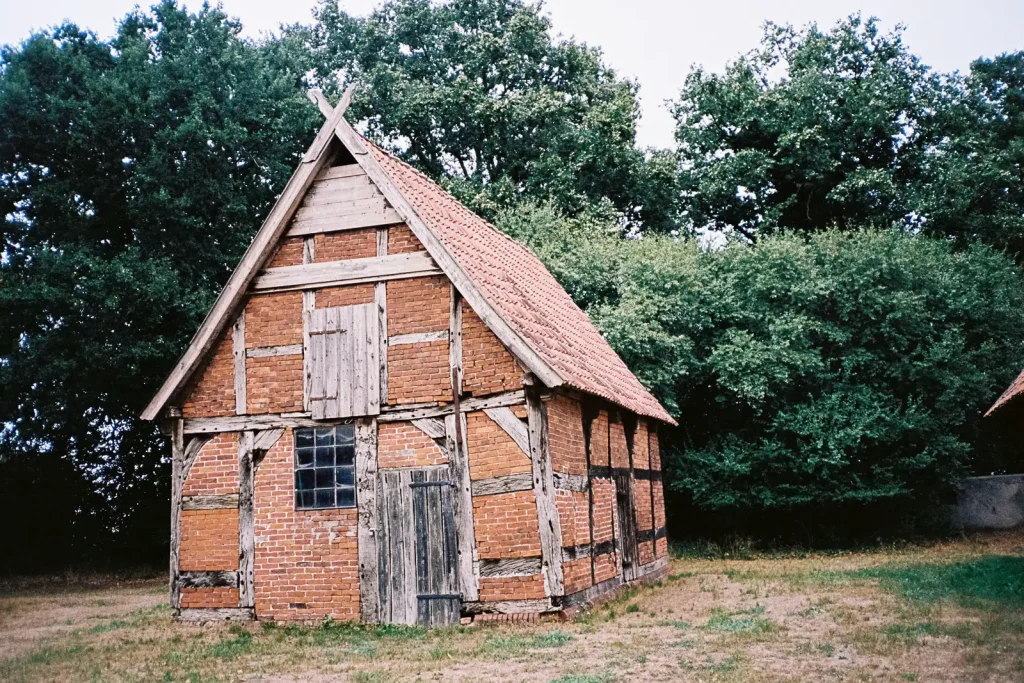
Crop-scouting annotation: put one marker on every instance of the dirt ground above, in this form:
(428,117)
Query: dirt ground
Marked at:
(951,611)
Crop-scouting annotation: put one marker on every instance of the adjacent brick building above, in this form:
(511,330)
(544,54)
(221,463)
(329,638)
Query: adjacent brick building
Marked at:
(394,413)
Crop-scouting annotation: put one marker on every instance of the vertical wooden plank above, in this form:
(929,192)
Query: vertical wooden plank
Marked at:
(383,549)
(650,490)
(366,500)
(435,549)
(419,515)
(238,347)
(455,340)
(462,504)
(177,466)
(408,534)
(544,491)
(380,295)
(589,414)
(332,349)
(246,522)
(308,305)
(451,555)
(373,360)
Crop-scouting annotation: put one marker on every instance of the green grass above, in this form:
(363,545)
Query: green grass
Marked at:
(585,678)
(503,646)
(745,621)
(990,582)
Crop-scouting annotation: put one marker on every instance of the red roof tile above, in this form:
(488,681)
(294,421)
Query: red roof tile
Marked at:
(1014,389)
(524,293)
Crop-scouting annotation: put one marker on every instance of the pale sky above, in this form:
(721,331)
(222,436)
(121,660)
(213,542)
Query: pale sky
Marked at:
(652,41)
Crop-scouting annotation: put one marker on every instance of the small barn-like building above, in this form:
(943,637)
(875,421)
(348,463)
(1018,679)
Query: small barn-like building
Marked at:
(394,413)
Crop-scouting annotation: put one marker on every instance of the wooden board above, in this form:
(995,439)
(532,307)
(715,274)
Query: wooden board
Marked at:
(396,551)
(502,568)
(469,405)
(196,614)
(380,297)
(177,483)
(344,361)
(274,351)
(508,483)
(462,505)
(437,589)
(246,521)
(513,426)
(210,579)
(345,171)
(544,491)
(367,525)
(316,226)
(352,271)
(238,348)
(210,502)
(418,338)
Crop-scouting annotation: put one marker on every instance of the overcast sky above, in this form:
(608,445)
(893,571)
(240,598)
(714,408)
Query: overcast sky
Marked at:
(653,41)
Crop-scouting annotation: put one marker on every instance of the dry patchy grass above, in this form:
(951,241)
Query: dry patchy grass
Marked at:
(948,612)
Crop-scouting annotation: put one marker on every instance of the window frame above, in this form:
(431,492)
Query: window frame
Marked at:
(312,468)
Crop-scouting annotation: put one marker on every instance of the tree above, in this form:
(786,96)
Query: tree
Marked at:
(133,174)
(838,367)
(478,95)
(973,189)
(811,130)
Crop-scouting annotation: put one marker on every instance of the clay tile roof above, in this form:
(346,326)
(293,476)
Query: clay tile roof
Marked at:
(1013,390)
(524,293)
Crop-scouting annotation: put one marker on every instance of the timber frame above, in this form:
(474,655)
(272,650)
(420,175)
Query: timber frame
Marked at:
(523,417)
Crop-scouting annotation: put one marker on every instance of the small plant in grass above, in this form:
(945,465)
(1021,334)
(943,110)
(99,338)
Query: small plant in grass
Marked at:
(680,575)
(632,608)
(744,621)
(911,635)
(585,678)
(233,647)
(440,651)
(370,677)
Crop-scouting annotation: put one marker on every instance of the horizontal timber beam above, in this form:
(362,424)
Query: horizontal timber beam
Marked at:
(519,566)
(570,482)
(508,483)
(469,405)
(210,502)
(314,226)
(418,338)
(197,614)
(352,271)
(273,351)
(210,579)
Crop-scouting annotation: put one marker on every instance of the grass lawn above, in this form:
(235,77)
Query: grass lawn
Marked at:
(953,611)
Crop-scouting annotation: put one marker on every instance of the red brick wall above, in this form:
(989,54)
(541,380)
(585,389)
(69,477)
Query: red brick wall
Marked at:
(506,525)
(344,245)
(209,540)
(512,588)
(487,366)
(349,295)
(273,320)
(215,469)
(421,304)
(214,392)
(273,384)
(221,596)
(565,430)
(599,440)
(655,451)
(402,444)
(419,373)
(303,556)
(604,526)
(289,253)
(492,452)
(644,521)
(641,456)
(619,449)
(402,241)
(659,515)
(576,575)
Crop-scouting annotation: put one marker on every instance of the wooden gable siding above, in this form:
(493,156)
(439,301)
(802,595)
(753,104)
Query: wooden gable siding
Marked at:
(418,317)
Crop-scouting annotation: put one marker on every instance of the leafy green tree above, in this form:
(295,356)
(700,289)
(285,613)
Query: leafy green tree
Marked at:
(477,94)
(811,130)
(133,174)
(973,189)
(841,367)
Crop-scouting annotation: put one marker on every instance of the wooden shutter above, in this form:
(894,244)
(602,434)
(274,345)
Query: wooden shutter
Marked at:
(344,348)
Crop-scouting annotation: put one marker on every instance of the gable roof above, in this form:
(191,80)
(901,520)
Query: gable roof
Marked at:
(504,283)
(1012,391)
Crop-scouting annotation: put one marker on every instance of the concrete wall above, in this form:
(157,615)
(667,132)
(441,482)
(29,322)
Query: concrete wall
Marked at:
(990,502)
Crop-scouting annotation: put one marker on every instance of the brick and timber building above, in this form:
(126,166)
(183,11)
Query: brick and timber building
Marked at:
(393,413)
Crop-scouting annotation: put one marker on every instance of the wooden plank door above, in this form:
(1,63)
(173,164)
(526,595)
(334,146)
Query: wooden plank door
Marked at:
(627,526)
(417,561)
(344,362)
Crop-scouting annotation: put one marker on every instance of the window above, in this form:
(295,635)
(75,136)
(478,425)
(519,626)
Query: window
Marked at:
(325,474)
